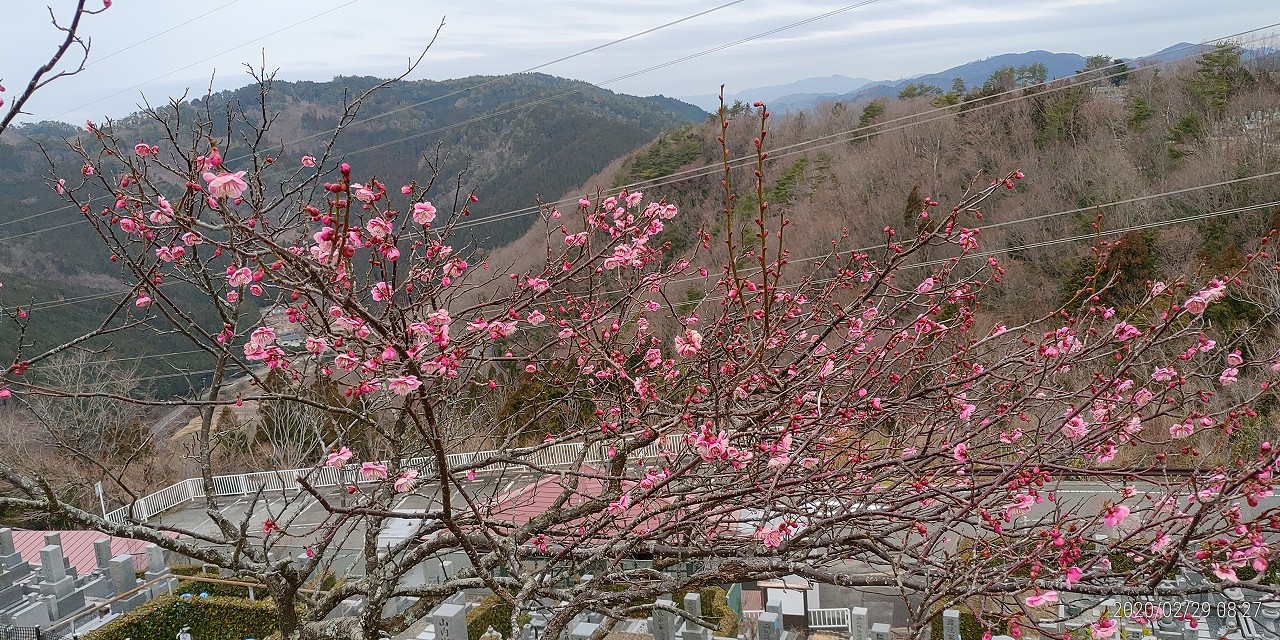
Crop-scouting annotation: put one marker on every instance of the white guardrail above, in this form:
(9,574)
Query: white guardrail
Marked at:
(191,489)
(818,618)
(831,619)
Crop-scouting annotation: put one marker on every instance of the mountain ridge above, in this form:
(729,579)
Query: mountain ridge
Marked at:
(974,73)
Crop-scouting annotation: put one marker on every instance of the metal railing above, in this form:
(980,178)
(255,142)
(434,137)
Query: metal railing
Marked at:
(19,633)
(191,489)
(831,619)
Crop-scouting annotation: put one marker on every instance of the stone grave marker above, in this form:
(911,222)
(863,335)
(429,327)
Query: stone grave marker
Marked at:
(880,631)
(662,624)
(102,552)
(450,621)
(769,626)
(859,623)
(950,625)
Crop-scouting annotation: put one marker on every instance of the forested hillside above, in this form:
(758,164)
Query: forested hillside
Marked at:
(511,140)
(1097,152)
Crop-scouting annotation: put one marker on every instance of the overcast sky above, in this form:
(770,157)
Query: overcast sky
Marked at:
(160,48)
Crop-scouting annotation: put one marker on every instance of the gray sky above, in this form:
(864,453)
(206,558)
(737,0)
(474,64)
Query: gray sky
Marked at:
(143,47)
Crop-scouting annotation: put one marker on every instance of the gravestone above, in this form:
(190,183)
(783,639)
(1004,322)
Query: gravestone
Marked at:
(55,538)
(950,625)
(13,571)
(8,555)
(662,624)
(32,613)
(155,560)
(774,605)
(53,573)
(693,604)
(450,620)
(880,631)
(63,597)
(123,577)
(156,569)
(859,623)
(52,569)
(693,607)
(581,629)
(769,626)
(123,580)
(102,552)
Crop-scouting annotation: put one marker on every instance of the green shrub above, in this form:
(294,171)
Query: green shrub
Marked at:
(491,612)
(212,618)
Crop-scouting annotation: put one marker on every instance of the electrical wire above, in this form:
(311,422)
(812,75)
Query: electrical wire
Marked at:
(521,106)
(204,60)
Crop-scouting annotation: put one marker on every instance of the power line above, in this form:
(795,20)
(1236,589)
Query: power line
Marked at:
(424,102)
(692,56)
(1055,241)
(523,71)
(175,27)
(779,152)
(1109,232)
(854,133)
(204,60)
(1043,216)
(144,357)
(792,149)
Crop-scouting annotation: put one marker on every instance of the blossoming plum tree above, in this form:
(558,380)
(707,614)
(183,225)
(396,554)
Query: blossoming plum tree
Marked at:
(854,419)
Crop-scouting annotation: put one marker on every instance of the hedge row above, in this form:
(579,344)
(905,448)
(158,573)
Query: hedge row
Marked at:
(212,618)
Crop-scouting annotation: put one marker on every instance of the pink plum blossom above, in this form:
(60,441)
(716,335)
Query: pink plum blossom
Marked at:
(689,344)
(1181,430)
(1196,304)
(338,458)
(424,212)
(1115,515)
(1042,598)
(373,470)
(403,385)
(406,480)
(226,185)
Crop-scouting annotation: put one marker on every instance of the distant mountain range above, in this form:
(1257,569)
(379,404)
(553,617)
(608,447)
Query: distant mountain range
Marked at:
(828,86)
(809,92)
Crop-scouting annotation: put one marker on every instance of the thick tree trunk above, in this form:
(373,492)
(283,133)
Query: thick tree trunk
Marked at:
(285,596)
